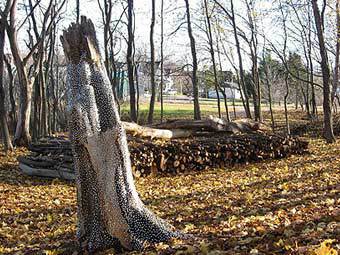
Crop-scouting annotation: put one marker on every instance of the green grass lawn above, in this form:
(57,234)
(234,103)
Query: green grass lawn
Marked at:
(181,110)
(171,111)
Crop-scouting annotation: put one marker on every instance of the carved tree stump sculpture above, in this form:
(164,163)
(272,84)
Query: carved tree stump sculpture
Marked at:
(110,212)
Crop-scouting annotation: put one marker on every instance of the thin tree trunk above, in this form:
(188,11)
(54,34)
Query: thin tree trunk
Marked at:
(36,111)
(56,106)
(254,56)
(287,73)
(221,78)
(114,69)
(130,64)
(3,113)
(327,108)
(296,95)
(337,53)
(42,83)
(162,59)
(271,106)
(52,127)
(311,66)
(152,67)
(234,105)
(240,61)
(197,111)
(137,87)
(13,115)
(285,103)
(212,54)
(77,10)
(269,97)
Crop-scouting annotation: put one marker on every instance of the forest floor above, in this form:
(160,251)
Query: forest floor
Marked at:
(287,206)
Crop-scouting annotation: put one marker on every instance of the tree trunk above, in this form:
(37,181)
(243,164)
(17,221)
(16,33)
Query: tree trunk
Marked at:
(110,212)
(43,89)
(130,64)
(162,59)
(240,61)
(22,135)
(311,66)
(152,63)
(36,111)
(222,77)
(3,113)
(327,107)
(77,10)
(212,54)
(285,103)
(337,53)
(212,124)
(269,96)
(137,88)
(197,111)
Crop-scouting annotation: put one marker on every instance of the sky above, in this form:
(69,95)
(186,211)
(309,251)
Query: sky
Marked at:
(174,11)
(176,47)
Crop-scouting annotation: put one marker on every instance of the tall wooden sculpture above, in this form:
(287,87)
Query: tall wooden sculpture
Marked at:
(110,212)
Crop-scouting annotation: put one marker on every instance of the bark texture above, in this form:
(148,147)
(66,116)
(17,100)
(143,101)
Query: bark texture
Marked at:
(110,212)
(3,113)
(327,106)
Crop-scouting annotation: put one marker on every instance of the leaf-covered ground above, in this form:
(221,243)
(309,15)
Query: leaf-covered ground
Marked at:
(288,206)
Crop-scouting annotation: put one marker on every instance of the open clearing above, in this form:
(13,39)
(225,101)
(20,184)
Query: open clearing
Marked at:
(287,206)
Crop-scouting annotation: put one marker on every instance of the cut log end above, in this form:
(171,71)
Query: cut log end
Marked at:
(80,43)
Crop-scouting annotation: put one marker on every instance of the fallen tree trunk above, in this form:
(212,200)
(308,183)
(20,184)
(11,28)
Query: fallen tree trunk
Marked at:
(214,124)
(148,132)
(63,173)
(190,128)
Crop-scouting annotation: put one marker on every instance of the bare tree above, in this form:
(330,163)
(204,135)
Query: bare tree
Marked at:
(197,111)
(3,112)
(337,53)
(268,82)
(109,46)
(217,85)
(162,59)
(286,73)
(232,17)
(13,116)
(26,78)
(327,106)
(152,64)
(130,63)
(253,47)
(77,10)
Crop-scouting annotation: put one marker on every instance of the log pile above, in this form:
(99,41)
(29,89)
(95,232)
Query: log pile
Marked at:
(53,156)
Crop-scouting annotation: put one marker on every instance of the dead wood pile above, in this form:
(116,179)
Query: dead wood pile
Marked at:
(53,156)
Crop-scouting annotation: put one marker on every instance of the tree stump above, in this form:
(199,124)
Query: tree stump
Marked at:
(110,212)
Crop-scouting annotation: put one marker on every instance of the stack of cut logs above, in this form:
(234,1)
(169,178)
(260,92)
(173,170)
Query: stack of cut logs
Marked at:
(161,151)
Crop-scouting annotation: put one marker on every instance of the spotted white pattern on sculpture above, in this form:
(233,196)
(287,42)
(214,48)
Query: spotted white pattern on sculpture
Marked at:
(110,212)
